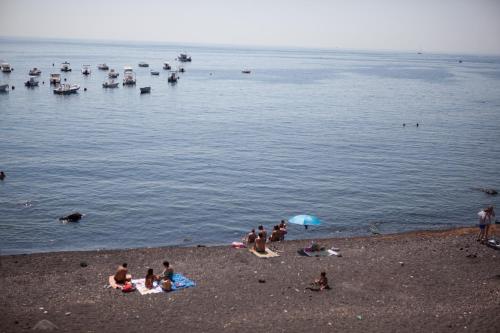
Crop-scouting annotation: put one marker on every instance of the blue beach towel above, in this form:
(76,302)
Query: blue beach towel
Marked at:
(180,282)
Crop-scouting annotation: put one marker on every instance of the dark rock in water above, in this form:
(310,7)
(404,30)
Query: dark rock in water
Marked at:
(73,217)
(489,191)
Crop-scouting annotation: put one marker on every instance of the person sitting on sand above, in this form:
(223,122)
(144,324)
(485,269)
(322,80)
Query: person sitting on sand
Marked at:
(283,231)
(168,272)
(121,274)
(251,237)
(261,229)
(276,234)
(150,278)
(320,284)
(260,243)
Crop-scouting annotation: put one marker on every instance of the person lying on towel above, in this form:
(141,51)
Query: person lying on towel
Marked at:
(121,274)
(260,243)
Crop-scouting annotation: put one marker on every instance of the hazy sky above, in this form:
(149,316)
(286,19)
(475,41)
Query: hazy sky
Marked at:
(471,26)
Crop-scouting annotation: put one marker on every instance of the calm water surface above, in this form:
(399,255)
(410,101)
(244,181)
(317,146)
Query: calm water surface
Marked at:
(202,162)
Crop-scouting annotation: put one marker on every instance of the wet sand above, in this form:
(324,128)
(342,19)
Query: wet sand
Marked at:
(440,281)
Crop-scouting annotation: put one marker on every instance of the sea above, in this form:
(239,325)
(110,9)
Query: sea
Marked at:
(202,162)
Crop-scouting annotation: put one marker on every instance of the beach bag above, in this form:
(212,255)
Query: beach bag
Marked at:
(128,287)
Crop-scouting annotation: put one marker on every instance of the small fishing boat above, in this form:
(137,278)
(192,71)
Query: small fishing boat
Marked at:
(35,71)
(145,90)
(65,67)
(143,64)
(172,78)
(86,70)
(110,84)
(166,66)
(103,67)
(112,74)
(6,68)
(181,70)
(155,73)
(4,87)
(128,76)
(67,89)
(246,71)
(55,78)
(32,82)
(183,57)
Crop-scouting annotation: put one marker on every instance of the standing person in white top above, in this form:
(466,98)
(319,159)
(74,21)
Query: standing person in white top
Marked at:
(485,217)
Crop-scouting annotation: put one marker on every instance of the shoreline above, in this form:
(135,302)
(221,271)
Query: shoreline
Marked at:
(418,281)
(420,232)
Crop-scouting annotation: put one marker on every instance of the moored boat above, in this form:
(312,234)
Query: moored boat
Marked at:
(4,87)
(35,71)
(110,84)
(143,64)
(86,70)
(172,78)
(246,71)
(155,73)
(65,67)
(112,74)
(67,89)
(103,67)
(183,57)
(128,76)
(6,68)
(55,78)
(145,90)
(167,66)
(32,82)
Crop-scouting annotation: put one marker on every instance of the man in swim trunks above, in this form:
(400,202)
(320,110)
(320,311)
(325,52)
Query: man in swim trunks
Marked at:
(260,243)
(121,274)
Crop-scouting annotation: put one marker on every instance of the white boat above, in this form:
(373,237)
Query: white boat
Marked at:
(166,66)
(128,76)
(143,64)
(172,78)
(65,67)
(32,82)
(35,71)
(112,74)
(6,68)
(110,84)
(66,89)
(4,87)
(183,57)
(155,73)
(86,70)
(103,67)
(145,90)
(55,78)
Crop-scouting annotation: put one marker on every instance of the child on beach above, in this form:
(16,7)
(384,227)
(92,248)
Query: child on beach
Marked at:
(150,279)
(320,284)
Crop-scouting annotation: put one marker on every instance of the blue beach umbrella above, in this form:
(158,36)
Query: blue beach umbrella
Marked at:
(305,220)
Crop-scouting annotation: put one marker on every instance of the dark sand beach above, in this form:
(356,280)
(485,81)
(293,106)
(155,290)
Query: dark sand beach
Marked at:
(439,281)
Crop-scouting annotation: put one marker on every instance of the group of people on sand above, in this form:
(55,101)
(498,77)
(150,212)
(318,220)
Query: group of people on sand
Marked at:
(259,240)
(164,279)
(485,217)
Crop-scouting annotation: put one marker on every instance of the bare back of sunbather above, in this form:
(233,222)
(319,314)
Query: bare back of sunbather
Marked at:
(121,274)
